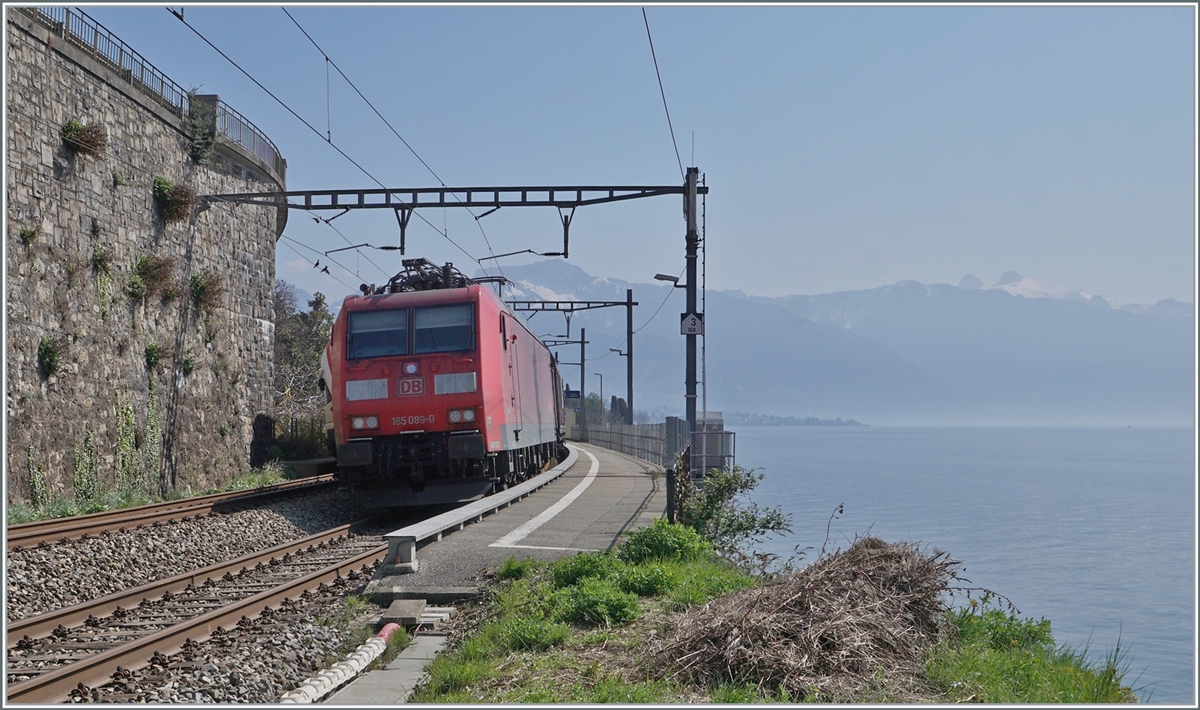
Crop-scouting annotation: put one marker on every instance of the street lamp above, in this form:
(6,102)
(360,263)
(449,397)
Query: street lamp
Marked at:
(667,277)
(628,386)
(602,417)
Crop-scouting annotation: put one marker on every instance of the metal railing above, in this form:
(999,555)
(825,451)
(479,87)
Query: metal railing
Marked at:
(660,443)
(81,31)
(234,125)
(644,441)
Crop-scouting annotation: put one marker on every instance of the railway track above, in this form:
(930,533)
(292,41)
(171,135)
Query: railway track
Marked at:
(53,530)
(52,655)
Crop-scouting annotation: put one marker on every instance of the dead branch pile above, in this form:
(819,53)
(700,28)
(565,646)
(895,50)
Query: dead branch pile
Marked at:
(852,626)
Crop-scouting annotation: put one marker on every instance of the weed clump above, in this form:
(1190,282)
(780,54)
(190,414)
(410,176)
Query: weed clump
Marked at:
(29,235)
(175,201)
(595,601)
(153,356)
(571,570)
(90,140)
(154,272)
(47,357)
(205,289)
(664,542)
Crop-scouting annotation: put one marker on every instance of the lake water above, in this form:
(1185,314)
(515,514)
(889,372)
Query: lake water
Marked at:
(1093,529)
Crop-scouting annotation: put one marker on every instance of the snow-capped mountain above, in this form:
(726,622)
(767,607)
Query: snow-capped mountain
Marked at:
(1019,352)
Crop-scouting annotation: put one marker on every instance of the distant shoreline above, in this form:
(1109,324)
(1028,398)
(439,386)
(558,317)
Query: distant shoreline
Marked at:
(743,419)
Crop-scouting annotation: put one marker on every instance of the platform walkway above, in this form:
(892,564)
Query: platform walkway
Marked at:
(587,508)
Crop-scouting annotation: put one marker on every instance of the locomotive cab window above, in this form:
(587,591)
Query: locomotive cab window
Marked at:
(377,334)
(443,329)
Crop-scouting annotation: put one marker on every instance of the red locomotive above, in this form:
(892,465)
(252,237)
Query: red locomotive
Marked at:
(436,392)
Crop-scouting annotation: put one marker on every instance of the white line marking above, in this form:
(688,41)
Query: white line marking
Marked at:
(511,539)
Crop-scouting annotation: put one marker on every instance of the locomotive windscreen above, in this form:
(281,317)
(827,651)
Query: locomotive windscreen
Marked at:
(377,334)
(443,329)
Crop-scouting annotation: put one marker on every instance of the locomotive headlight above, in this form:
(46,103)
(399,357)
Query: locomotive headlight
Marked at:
(371,422)
(412,368)
(455,416)
(468,415)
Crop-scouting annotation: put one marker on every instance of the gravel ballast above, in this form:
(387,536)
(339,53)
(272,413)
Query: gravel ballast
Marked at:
(43,579)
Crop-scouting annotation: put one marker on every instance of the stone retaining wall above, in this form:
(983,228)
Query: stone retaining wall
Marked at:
(185,422)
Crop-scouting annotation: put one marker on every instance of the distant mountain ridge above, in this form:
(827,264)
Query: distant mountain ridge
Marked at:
(1020,352)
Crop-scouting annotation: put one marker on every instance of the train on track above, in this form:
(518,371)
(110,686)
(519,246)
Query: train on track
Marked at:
(436,393)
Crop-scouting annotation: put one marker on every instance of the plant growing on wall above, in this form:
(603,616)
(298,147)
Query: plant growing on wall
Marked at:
(189,363)
(153,356)
(29,235)
(205,289)
(90,140)
(135,287)
(127,463)
(47,357)
(87,480)
(202,129)
(175,201)
(152,450)
(39,494)
(155,273)
(119,178)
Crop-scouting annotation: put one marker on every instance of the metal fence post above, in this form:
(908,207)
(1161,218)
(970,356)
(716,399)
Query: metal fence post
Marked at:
(671,494)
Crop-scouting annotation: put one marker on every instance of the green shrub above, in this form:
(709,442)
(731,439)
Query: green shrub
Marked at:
(720,510)
(201,124)
(1001,630)
(512,568)
(663,541)
(153,356)
(570,570)
(119,178)
(598,601)
(101,259)
(135,287)
(47,357)
(29,235)
(189,363)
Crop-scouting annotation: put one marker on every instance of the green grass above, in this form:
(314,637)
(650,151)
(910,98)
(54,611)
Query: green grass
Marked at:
(18,512)
(1001,658)
(535,644)
(545,619)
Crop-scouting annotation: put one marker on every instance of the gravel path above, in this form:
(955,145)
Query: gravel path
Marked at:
(43,579)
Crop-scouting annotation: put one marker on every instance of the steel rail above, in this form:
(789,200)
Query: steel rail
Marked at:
(30,534)
(97,670)
(42,624)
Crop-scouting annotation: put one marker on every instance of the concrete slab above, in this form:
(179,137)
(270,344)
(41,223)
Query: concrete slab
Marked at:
(405,612)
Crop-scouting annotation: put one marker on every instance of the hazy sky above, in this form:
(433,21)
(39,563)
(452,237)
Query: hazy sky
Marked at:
(845,147)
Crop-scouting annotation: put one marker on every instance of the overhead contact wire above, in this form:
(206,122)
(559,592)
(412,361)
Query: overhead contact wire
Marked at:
(289,246)
(664,94)
(309,126)
(329,61)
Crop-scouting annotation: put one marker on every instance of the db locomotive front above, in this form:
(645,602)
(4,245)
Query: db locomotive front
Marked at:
(436,392)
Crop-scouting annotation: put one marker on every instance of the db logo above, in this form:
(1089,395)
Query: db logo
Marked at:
(410,386)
